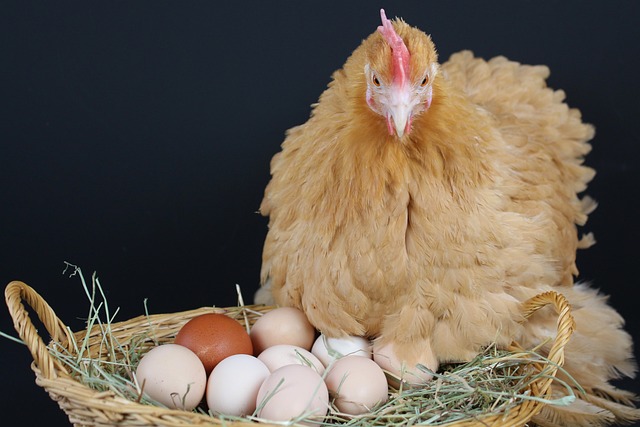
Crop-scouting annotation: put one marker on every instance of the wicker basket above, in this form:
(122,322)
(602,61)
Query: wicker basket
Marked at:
(88,407)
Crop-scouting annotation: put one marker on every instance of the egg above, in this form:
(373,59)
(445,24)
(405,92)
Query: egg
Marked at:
(385,356)
(291,392)
(232,387)
(172,375)
(281,355)
(357,383)
(328,349)
(283,325)
(214,337)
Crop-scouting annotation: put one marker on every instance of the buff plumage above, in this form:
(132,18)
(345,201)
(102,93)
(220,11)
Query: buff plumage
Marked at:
(430,240)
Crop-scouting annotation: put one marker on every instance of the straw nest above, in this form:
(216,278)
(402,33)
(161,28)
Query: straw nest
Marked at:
(89,372)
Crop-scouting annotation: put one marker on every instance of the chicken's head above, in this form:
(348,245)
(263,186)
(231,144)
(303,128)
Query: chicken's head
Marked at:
(399,74)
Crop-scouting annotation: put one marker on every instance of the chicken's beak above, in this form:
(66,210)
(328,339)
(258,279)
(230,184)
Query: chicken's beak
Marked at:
(400,115)
(400,110)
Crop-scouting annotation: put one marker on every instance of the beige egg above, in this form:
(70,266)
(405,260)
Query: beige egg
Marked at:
(357,383)
(281,355)
(232,387)
(284,325)
(172,375)
(292,392)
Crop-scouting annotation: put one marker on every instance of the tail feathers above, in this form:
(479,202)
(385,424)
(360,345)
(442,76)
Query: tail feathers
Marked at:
(611,393)
(586,241)
(579,413)
(622,407)
(594,409)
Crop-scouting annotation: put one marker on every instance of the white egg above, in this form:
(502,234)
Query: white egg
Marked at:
(172,375)
(233,385)
(358,384)
(329,349)
(292,392)
(281,355)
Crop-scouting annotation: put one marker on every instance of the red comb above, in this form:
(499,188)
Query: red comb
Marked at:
(400,52)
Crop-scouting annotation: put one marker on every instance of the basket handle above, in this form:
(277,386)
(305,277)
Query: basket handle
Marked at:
(565,327)
(15,293)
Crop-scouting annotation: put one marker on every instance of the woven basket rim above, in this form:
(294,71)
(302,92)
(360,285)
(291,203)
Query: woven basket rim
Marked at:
(81,402)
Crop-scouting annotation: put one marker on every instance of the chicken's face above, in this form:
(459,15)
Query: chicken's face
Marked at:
(401,87)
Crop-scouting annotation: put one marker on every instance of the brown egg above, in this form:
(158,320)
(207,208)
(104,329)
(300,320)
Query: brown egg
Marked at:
(213,337)
(283,325)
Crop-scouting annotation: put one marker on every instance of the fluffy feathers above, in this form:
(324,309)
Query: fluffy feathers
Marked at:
(431,239)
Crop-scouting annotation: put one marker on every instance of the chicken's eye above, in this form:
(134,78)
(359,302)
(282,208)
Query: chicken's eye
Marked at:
(424,81)
(375,81)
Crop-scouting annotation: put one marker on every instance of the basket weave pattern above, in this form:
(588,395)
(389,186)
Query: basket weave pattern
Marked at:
(88,407)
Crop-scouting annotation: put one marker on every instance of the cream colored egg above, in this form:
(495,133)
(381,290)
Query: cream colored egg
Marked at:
(172,375)
(328,349)
(281,355)
(292,392)
(358,384)
(232,387)
(283,325)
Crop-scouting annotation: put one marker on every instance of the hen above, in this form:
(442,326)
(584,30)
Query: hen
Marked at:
(422,203)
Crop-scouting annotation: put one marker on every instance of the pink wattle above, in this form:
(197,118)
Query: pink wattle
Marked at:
(390,127)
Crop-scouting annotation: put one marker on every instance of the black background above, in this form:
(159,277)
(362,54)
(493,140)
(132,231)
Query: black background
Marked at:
(135,139)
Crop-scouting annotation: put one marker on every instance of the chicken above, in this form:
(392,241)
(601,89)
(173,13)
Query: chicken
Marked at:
(422,203)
